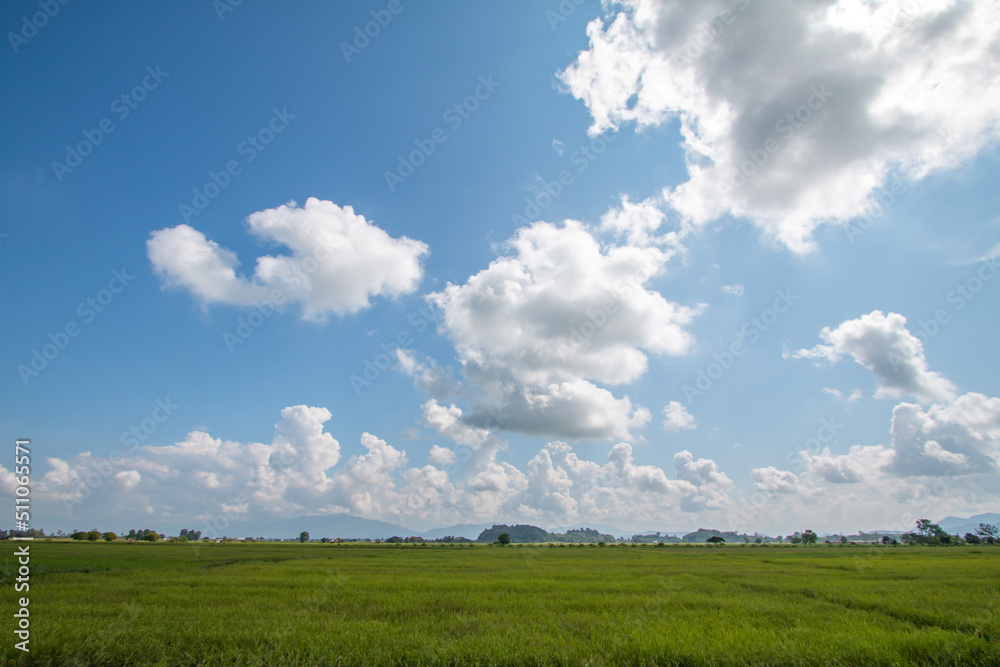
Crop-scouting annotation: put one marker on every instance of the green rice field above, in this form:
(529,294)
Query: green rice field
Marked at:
(354,604)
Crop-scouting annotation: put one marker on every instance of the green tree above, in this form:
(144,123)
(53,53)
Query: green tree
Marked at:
(109,537)
(987,533)
(152,536)
(809,537)
(715,539)
(503,539)
(972,539)
(94,535)
(304,536)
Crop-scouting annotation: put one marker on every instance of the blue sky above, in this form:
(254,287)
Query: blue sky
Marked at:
(643,109)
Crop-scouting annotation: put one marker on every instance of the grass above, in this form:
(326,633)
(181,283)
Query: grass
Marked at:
(313,604)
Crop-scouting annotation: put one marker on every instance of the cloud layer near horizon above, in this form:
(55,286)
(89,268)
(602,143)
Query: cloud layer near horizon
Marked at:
(945,457)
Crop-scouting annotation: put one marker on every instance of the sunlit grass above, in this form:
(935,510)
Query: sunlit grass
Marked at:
(291,604)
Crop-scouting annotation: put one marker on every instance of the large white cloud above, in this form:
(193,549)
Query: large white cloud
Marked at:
(540,328)
(792,112)
(338,261)
(882,344)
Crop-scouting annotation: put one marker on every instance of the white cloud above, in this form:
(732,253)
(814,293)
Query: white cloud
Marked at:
(539,328)
(338,261)
(676,417)
(855,395)
(440,456)
(882,344)
(437,382)
(830,99)
(735,290)
(211,482)
(962,437)
(942,459)
(184,258)
(570,409)
(714,486)
(447,421)
(772,480)
(638,224)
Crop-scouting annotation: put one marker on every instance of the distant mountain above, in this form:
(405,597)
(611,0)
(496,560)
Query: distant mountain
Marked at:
(324,525)
(961,526)
(603,528)
(524,534)
(703,534)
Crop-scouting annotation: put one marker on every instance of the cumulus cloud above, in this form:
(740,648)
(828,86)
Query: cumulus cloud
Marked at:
(713,486)
(571,409)
(962,437)
(793,113)
(441,456)
(882,344)
(772,480)
(676,417)
(338,261)
(858,464)
(212,481)
(941,460)
(639,223)
(541,327)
